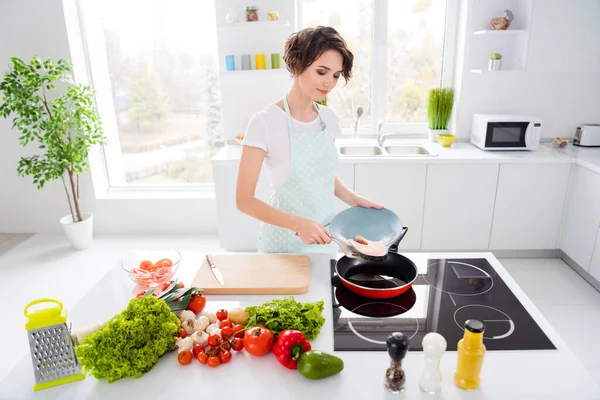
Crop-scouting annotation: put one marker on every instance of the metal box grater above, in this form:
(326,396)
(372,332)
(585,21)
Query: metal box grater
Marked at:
(52,352)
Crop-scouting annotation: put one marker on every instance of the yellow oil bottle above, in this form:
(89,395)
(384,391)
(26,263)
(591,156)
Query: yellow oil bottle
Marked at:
(471,351)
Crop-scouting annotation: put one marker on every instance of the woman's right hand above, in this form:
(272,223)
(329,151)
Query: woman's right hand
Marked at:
(312,233)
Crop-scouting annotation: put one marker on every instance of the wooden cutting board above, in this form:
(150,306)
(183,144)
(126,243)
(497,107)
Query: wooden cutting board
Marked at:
(253,273)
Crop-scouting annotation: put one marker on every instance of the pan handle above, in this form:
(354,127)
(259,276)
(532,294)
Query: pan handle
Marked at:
(336,282)
(394,246)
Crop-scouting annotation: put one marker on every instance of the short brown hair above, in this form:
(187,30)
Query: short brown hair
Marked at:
(304,47)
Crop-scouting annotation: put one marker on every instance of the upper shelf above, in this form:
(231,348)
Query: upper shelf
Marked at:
(491,32)
(254,25)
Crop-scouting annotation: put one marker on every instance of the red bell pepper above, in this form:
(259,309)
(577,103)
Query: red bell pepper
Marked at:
(289,346)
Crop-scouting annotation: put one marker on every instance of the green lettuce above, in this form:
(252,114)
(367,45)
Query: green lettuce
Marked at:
(279,315)
(131,342)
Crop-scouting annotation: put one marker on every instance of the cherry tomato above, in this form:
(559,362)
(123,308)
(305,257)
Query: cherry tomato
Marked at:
(214,341)
(227,332)
(213,361)
(258,341)
(182,333)
(164,262)
(140,295)
(197,303)
(238,330)
(166,285)
(197,349)
(147,265)
(225,323)
(202,358)
(185,357)
(222,315)
(237,344)
(225,357)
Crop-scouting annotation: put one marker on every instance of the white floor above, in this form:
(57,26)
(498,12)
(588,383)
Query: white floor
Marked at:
(569,303)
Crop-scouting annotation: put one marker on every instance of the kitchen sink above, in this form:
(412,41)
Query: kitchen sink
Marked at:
(360,150)
(407,150)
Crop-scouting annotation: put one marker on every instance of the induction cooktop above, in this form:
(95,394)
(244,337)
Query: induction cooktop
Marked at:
(446,293)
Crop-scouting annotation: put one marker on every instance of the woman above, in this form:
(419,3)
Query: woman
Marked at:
(295,139)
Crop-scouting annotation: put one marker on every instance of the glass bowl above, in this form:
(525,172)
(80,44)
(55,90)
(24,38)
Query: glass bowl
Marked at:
(151,268)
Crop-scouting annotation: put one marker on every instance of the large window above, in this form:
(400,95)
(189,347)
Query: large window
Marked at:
(159,59)
(398,47)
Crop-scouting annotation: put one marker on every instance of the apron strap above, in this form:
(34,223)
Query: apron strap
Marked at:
(289,115)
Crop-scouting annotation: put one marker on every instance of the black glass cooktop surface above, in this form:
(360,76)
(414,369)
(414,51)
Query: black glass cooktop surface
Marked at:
(446,293)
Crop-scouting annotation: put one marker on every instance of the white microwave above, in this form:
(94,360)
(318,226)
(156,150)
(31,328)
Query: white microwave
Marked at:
(505,132)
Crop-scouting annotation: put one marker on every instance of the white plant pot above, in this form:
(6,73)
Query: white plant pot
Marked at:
(494,65)
(80,234)
(434,132)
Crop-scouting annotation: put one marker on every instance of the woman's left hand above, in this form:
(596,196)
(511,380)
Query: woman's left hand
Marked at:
(362,202)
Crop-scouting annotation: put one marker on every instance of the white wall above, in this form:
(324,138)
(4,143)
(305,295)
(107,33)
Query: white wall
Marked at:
(562,98)
(29,27)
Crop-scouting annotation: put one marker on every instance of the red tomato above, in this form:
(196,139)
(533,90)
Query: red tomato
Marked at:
(182,333)
(213,361)
(222,315)
(185,357)
(225,357)
(226,332)
(237,344)
(197,349)
(214,341)
(164,262)
(197,303)
(166,285)
(238,330)
(202,358)
(147,265)
(258,341)
(225,323)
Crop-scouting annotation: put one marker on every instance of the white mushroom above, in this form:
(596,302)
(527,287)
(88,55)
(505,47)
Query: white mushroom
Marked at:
(200,338)
(212,318)
(184,344)
(202,323)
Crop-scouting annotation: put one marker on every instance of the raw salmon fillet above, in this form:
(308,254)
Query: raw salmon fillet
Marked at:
(368,247)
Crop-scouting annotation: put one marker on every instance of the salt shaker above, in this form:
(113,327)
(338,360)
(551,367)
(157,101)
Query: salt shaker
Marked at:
(434,346)
(397,346)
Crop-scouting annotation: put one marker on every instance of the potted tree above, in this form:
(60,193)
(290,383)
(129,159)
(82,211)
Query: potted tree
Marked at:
(439,110)
(64,125)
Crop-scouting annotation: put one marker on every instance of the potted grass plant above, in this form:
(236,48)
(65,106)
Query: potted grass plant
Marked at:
(439,110)
(64,124)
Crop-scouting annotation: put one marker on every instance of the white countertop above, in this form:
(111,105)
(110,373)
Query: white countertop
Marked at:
(458,152)
(588,157)
(554,374)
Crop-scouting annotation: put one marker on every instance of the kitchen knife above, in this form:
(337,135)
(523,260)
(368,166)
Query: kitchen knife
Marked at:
(216,272)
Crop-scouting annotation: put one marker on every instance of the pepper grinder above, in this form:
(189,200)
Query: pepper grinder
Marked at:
(397,346)
(434,346)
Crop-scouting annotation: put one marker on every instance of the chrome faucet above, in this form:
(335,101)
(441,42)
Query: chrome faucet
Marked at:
(381,136)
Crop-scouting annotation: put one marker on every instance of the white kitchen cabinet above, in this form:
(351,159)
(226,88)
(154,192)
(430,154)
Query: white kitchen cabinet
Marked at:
(238,231)
(595,263)
(459,203)
(565,36)
(399,187)
(582,217)
(529,203)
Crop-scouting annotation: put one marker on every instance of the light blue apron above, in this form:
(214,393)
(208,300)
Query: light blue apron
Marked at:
(308,191)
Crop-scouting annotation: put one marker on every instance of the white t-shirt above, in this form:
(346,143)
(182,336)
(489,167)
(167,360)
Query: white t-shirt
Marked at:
(268,130)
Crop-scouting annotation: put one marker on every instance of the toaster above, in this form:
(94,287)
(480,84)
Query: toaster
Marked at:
(587,135)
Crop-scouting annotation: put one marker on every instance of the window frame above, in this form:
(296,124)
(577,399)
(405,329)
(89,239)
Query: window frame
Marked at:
(89,60)
(379,70)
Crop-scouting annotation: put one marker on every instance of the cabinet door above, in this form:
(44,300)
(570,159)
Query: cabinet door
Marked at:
(529,205)
(565,36)
(459,203)
(595,263)
(399,187)
(582,216)
(237,231)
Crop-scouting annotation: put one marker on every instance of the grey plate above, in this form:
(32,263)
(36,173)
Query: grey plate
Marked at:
(381,226)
